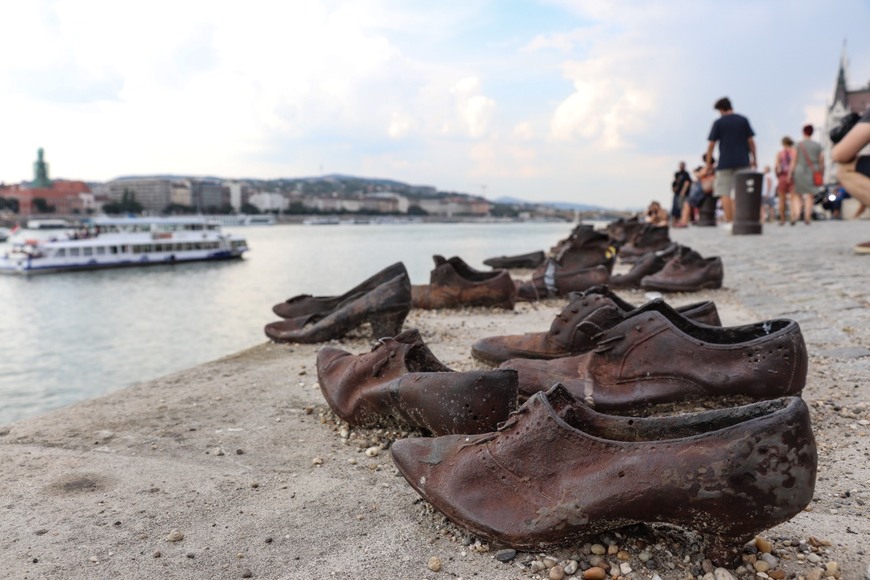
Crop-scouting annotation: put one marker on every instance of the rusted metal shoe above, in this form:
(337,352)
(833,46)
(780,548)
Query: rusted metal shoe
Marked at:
(623,230)
(454,284)
(585,316)
(646,265)
(385,307)
(553,280)
(585,248)
(654,355)
(306,305)
(687,272)
(401,381)
(648,238)
(531,260)
(557,471)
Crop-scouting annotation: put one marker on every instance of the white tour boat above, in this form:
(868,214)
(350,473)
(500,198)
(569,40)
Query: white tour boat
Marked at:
(116,242)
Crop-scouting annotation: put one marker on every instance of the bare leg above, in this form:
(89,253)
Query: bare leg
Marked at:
(808,207)
(727,207)
(795,208)
(857,184)
(781,195)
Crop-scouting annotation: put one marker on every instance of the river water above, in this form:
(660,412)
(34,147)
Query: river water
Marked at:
(71,336)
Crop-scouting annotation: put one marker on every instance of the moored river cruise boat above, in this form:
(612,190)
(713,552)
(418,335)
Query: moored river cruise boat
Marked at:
(118,242)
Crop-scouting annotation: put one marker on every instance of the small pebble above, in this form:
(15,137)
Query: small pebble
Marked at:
(240,451)
(269,540)
(246,573)
(598,549)
(373,451)
(557,573)
(174,536)
(776,574)
(594,573)
(506,555)
(832,569)
(644,556)
(814,574)
(190,555)
(761,566)
(723,574)
(156,554)
(612,550)
(550,562)
(571,567)
(317,461)
(764,546)
(434,564)
(814,558)
(625,568)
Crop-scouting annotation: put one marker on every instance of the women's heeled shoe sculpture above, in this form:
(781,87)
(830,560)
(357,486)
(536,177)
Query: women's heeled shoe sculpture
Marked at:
(306,305)
(400,380)
(654,355)
(557,470)
(455,284)
(586,315)
(385,307)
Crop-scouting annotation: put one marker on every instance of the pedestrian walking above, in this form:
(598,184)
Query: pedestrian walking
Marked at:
(734,135)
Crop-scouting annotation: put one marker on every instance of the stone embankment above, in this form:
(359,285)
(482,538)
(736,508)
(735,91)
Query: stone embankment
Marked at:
(237,469)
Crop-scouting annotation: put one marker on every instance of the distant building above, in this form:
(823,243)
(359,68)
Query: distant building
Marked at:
(154,193)
(269,202)
(65,196)
(455,206)
(845,101)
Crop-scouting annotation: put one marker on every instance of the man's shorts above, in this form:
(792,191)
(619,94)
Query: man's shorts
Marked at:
(724,185)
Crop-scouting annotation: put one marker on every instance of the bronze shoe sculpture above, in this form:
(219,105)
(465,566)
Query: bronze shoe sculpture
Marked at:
(305,304)
(455,284)
(655,355)
(553,280)
(557,471)
(687,272)
(385,307)
(648,238)
(623,230)
(584,249)
(401,381)
(574,328)
(646,265)
(531,260)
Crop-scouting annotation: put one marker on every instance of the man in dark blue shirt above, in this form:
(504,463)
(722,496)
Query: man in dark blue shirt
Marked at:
(736,152)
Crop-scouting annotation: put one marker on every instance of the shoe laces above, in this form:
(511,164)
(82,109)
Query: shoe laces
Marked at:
(605,344)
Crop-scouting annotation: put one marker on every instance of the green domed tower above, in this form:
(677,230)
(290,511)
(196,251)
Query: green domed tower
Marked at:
(40,171)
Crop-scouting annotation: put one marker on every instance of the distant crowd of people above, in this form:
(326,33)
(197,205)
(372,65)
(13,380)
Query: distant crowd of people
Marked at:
(790,189)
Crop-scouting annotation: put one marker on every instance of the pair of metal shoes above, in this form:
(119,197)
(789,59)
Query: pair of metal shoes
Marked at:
(559,469)
(382,300)
(675,268)
(455,284)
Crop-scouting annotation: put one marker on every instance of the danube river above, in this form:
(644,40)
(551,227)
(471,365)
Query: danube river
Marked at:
(72,336)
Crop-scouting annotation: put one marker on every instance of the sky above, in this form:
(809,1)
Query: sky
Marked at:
(554,100)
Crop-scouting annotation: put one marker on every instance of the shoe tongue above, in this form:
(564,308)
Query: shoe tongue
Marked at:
(689,257)
(559,398)
(592,327)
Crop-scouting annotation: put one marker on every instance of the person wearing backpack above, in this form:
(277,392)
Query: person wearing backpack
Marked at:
(807,174)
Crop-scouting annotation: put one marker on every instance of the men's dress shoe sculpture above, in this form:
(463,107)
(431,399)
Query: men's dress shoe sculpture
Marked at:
(575,231)
(552,280)
(648,238)
(572,329)
(622,230)
(655,355)
(385,307)
(557,471)
(454,284)
(400,380)
(584,249)
(646,265)
(686,272)
(530,260)
(305,304)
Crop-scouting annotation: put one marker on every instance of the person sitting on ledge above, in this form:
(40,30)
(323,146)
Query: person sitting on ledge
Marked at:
(854,170)
(656,214)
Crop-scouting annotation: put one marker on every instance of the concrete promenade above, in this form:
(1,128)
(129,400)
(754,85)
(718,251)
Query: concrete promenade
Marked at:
(237,468)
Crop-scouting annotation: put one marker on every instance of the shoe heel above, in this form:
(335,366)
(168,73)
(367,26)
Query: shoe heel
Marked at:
(726,549)
(388,323)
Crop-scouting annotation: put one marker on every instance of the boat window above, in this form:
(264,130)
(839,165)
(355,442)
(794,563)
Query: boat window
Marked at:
(100,250)
(136,248)
(87,251)
(73,251)
(113,249)
(61,252)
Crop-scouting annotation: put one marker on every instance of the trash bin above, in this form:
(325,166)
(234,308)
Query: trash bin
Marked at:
(707,211)
(747,203)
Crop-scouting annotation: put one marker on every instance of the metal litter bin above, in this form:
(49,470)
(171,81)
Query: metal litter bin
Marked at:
(707,211)
(747,203)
